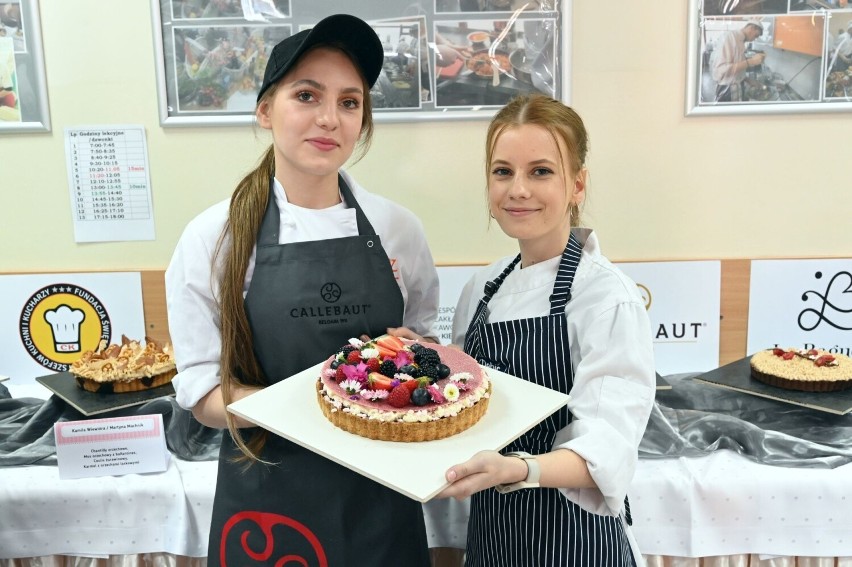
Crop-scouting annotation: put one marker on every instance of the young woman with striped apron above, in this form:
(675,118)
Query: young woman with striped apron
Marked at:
(560,315)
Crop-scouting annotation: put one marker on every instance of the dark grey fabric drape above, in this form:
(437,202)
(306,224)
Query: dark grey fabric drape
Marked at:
(694,419)
(26,429)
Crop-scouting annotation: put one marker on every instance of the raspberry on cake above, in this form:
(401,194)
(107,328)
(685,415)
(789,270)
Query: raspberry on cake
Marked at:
(398,390)
(810,370)
(128,367)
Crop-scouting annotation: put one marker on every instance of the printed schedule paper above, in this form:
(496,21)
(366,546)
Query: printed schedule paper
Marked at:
(109,182)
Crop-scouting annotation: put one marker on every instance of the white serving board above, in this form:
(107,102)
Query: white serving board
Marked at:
(290,409)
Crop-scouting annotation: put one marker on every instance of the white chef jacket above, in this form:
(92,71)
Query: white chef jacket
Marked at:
(844,45)
(729,50)
(611,355)
(194,318)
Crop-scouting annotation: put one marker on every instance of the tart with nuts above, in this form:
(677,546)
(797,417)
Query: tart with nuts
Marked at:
(807,370)
(131,366)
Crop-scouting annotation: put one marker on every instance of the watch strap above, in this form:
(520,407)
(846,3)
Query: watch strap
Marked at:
(533,474)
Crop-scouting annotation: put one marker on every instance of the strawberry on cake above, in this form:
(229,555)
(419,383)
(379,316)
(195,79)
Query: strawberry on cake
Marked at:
(809,370)
(398,390)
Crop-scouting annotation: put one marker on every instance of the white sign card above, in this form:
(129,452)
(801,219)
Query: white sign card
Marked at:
(49,320)
(800,303)
(109,182)
(111,446)
(682,299)
(452,280)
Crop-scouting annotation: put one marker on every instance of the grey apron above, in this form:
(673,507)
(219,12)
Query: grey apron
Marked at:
(539,526)
(305,301)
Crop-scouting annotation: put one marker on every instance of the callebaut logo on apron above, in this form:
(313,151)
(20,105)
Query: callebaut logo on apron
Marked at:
(330,313)
(331,292)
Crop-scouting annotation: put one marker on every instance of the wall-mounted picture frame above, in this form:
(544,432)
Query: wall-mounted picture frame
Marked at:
(444,59)
(769,56)
(23,87)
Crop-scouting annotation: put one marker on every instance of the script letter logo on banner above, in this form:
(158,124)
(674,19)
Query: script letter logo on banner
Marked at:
(800,303)
(834,305)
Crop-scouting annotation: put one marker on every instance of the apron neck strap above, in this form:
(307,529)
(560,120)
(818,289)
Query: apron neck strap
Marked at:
(271,223)
(364,226)
(565,275)
(492,286)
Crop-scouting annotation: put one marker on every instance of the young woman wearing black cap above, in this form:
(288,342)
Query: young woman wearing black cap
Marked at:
(247,290)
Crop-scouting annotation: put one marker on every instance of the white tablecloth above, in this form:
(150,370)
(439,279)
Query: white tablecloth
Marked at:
(136,513)
(718,505)
(722,504)
(725,504)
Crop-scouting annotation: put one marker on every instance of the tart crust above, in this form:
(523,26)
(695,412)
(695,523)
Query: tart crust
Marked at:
(402,431)
(801,385)
(121,387)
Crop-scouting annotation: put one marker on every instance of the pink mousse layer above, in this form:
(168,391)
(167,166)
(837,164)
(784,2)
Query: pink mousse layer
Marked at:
(456,359)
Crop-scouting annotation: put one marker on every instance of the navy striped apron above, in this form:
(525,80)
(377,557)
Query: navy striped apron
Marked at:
(539,526)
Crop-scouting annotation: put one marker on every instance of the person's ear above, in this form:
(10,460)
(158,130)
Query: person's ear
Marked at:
(264,120)
(578,194)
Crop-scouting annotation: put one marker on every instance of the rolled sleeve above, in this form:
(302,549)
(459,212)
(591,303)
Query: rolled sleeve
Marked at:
(192,384)
(193,318)
(611,400)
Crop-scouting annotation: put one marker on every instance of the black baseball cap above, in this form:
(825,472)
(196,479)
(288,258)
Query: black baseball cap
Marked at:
(353,34)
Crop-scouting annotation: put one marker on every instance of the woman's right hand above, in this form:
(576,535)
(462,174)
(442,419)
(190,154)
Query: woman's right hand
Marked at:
(484,470)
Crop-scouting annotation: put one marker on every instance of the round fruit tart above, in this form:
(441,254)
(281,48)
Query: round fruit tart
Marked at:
(393,389)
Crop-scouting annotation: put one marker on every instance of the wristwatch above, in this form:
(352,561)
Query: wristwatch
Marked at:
(533,474)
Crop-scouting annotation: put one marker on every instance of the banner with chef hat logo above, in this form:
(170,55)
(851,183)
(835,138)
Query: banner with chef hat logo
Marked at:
(683,304)
(800,303)
(60,321)
(58,317)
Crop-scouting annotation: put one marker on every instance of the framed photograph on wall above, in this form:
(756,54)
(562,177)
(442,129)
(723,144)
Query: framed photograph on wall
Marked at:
(444,59)
(769,56)
(23,88)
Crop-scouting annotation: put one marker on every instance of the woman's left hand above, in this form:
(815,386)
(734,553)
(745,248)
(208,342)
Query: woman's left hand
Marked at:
(404,333)
(483,470)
